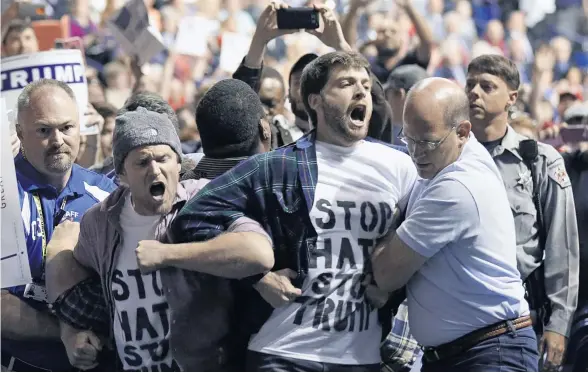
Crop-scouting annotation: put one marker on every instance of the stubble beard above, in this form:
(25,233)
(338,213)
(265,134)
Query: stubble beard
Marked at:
(340,124)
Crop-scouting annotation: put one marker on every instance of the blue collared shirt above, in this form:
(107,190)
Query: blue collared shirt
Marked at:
(83,190)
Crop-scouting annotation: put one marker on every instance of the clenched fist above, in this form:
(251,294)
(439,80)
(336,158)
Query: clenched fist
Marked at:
(150,256)
(277,289)
(82,347)
(374,295)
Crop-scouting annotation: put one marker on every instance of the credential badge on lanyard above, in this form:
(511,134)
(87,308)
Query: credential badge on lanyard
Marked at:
(33,290)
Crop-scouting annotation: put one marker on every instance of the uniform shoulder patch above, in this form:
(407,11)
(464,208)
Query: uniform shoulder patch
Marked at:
(557,171)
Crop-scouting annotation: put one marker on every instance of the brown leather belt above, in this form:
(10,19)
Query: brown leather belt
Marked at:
(456,347)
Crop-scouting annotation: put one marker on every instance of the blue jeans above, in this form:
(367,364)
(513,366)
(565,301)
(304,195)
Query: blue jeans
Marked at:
(259,362)
(510,352)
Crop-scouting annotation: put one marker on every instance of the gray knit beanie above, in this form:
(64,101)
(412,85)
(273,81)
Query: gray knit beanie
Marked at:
(142,127)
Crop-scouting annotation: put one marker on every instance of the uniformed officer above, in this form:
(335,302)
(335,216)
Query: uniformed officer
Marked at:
(541,200)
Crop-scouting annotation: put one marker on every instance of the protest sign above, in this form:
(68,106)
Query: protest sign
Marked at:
(130,26)
(193,34)
(233,48)
(65,65)
(15,259)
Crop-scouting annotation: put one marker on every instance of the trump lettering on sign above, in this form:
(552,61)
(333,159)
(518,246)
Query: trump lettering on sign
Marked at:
(65,65)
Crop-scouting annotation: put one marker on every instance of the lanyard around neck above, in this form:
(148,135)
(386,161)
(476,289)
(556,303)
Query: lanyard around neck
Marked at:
(44,233)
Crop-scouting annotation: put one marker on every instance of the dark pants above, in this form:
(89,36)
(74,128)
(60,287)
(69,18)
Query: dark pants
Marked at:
(510,352)
(258,362)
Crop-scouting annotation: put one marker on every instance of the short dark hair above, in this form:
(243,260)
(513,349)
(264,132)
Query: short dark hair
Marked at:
(105,109)
(316,74)
(499,66)
(228,118)
(16,25)
(152,102)
(301,64)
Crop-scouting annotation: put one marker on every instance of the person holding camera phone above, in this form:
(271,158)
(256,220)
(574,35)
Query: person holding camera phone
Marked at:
(329,31)
(251,69)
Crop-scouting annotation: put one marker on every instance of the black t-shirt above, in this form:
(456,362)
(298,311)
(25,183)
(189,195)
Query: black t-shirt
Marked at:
(491,145)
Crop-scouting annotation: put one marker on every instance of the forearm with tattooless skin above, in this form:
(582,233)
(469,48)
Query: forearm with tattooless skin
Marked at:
(230,255)
(21,322)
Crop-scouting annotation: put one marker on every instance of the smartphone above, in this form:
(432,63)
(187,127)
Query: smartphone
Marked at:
(298,18)
(34,12)
(574,133)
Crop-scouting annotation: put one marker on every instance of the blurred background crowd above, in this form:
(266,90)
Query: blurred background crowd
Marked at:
(548,40)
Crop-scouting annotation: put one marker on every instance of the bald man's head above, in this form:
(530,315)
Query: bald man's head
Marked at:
(444,95)
(436,124)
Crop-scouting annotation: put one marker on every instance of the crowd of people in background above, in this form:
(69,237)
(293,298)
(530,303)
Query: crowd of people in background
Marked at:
(189,141)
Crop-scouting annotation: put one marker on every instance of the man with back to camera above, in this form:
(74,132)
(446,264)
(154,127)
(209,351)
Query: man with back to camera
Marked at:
(51,188)
(547,239)
(455,251)
(324,201)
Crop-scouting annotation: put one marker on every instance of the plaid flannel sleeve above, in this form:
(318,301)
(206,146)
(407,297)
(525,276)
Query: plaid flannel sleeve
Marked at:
(219,204)
(399,350)
(84,307)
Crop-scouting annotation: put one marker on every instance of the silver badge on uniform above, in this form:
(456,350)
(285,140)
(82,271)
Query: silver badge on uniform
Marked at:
(525,179)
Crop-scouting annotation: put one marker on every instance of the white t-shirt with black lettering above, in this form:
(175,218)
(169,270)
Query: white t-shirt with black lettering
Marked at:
(141,311)
(359,193)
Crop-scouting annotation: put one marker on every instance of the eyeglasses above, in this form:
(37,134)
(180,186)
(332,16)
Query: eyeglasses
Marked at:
(427,145)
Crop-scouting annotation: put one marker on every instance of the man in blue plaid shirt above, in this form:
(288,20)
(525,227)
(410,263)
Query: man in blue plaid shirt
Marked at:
(325,201)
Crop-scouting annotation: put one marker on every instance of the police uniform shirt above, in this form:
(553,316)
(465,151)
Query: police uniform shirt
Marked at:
(561,251)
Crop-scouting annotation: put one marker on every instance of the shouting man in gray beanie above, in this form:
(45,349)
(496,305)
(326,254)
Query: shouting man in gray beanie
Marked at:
(161,320)
(147,153)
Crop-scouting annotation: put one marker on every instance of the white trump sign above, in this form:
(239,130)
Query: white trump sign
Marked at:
(66,65)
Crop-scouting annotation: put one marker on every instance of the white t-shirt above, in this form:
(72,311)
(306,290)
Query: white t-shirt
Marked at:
(461,220)
(142,315)
(358,194)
